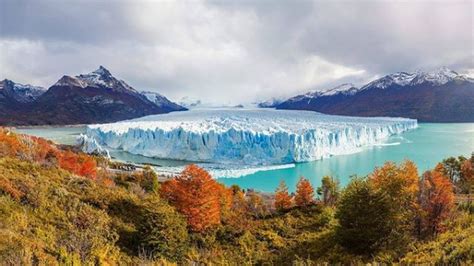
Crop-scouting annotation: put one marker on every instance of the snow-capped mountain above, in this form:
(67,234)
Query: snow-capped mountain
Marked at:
(271,103)
(441,95)
(437,77)
(96,97)
(343,89)
(100,78)
(161,101)
(19,92)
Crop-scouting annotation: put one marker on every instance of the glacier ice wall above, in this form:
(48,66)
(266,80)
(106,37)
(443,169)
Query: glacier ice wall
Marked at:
(250,137)
(91,146)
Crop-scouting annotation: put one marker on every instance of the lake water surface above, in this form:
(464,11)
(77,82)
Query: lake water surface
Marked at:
(426,146)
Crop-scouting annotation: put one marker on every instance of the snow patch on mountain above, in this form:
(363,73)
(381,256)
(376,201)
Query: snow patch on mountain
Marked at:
(270,103)
(98,78)
(161,101)
(346,89)
(437,77)
(343,89)
(70,81)
(248,137)
(23,93)
(156,98)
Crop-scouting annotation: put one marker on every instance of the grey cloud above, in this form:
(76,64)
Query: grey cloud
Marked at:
(232,51)
(55,20)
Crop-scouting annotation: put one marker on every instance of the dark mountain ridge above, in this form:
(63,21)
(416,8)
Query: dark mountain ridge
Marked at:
(96,97)
(19,93)
(162,102)
(439,96)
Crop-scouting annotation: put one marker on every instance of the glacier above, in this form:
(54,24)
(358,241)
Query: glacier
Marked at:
(90,145)
(245,136)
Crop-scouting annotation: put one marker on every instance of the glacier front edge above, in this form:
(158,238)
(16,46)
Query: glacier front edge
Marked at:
(249,137)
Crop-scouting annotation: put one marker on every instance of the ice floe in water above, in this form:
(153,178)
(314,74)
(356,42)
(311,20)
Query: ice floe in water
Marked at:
(223,171)
(246,136)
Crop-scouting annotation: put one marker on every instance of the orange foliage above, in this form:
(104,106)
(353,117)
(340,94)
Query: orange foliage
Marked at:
(42,151)
(10,144)
(104,179)
(282,198)
(467,169)
(304,192)
(401,183)
(225,196)
(8,188)
(79,164)
(397,181)
(436,200)
(196,195)
(255,204)
(88,166)
(467,175)
(239,215)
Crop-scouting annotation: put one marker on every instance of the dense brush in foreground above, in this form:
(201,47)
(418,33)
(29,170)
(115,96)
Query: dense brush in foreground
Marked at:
(62,207)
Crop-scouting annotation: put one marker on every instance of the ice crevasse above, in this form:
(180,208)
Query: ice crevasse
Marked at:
(250,137)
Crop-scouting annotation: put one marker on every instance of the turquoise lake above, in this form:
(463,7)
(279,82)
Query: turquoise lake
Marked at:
(426,146)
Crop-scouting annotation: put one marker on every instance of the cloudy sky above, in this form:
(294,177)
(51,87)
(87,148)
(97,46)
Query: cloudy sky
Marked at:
(232,51)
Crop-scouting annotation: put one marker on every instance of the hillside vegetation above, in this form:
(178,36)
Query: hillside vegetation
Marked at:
(58,206)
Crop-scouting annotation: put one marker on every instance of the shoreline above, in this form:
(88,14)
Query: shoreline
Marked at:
(49,126)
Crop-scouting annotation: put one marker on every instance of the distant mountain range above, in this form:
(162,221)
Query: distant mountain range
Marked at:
(190,102)
(163,102)
(442,95)
(96,97)
(19,93)
(270,103)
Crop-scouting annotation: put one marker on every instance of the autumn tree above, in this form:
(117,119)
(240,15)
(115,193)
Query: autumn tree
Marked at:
(162,230)
(304,192)
(365,218)
(452,167)
(196,195)
(460,171)
(329,190)
(255,204)
(400,184)
(436,200)
(466,183)
(238,216)
(146,178)
(225,196)
(239,204)
(282,198)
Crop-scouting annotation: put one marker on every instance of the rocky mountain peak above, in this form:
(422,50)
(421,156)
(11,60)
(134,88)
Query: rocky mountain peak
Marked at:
(20,92)
(102,71)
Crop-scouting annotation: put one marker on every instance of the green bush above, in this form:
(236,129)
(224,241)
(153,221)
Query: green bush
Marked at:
(163,231)
(365,218)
